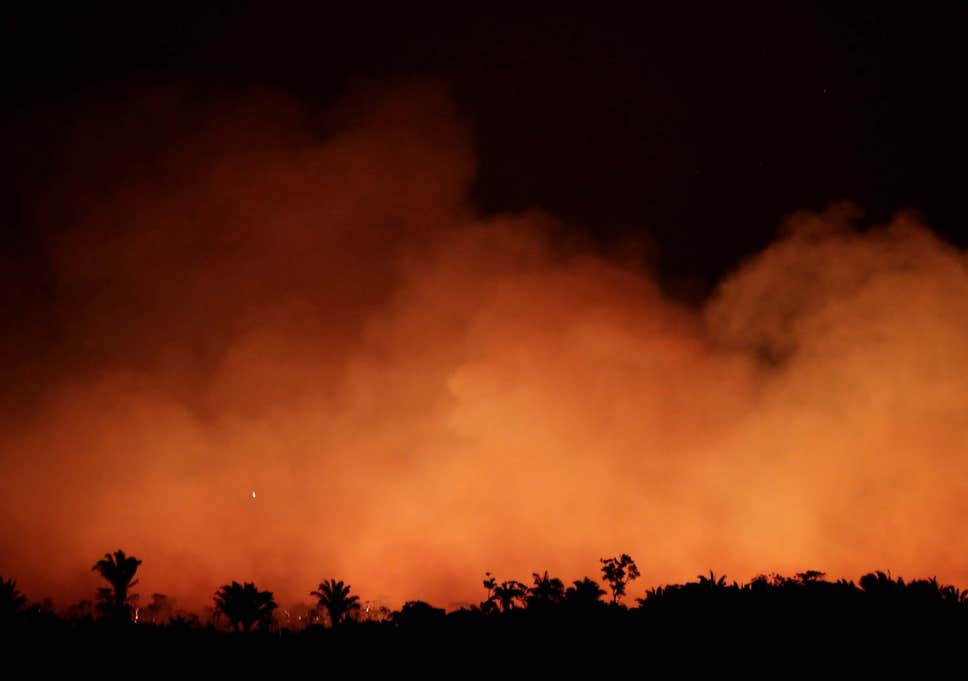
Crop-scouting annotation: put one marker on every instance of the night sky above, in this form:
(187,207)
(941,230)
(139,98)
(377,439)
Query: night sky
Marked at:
(665,126)
(490,290)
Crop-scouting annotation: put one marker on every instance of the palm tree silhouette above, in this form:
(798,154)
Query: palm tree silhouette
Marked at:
(880,584)
(506,593)
(118,569)
(11,600)
(335,597)
(952,594)
(712,582)
(244,604)
(547,591)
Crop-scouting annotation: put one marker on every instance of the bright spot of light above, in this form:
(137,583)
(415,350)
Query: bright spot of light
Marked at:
(253,494)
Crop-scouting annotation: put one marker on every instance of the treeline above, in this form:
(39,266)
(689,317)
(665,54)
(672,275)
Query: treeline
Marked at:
(765,601)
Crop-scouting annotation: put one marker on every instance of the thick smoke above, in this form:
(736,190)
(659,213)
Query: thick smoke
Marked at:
(251,297)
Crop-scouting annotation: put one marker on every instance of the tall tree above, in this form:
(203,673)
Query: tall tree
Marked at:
(245,605)
(507,593)
(119,570)
(618,572)
(335,597)
(545,592)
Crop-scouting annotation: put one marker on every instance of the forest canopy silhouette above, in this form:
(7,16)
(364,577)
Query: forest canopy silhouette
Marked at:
(542,623)
(284,344)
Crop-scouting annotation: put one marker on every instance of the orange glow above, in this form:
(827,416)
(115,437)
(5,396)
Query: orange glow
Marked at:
(419,393)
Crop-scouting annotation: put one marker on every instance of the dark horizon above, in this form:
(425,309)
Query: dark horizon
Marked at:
(544,595)
(767,624)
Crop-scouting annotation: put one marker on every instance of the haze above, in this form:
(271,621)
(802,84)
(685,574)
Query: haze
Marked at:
(256,297)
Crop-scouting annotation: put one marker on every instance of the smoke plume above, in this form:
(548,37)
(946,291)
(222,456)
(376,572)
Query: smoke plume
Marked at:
(256,297)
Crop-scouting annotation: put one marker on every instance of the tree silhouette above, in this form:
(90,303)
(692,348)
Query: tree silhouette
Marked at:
(952,594)
(488,606)
(82,611)
(810,576)
(489,583)
(618,572)
(777,609)
(711,582)
(244,604)
(335,597)
(12,600)
(119,570)
(584,593)
(506,593)
(546,592)
(418,614)
(159,610)
(880,585)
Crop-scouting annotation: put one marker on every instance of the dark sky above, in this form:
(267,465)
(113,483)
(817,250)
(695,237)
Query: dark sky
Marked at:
(693,130)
